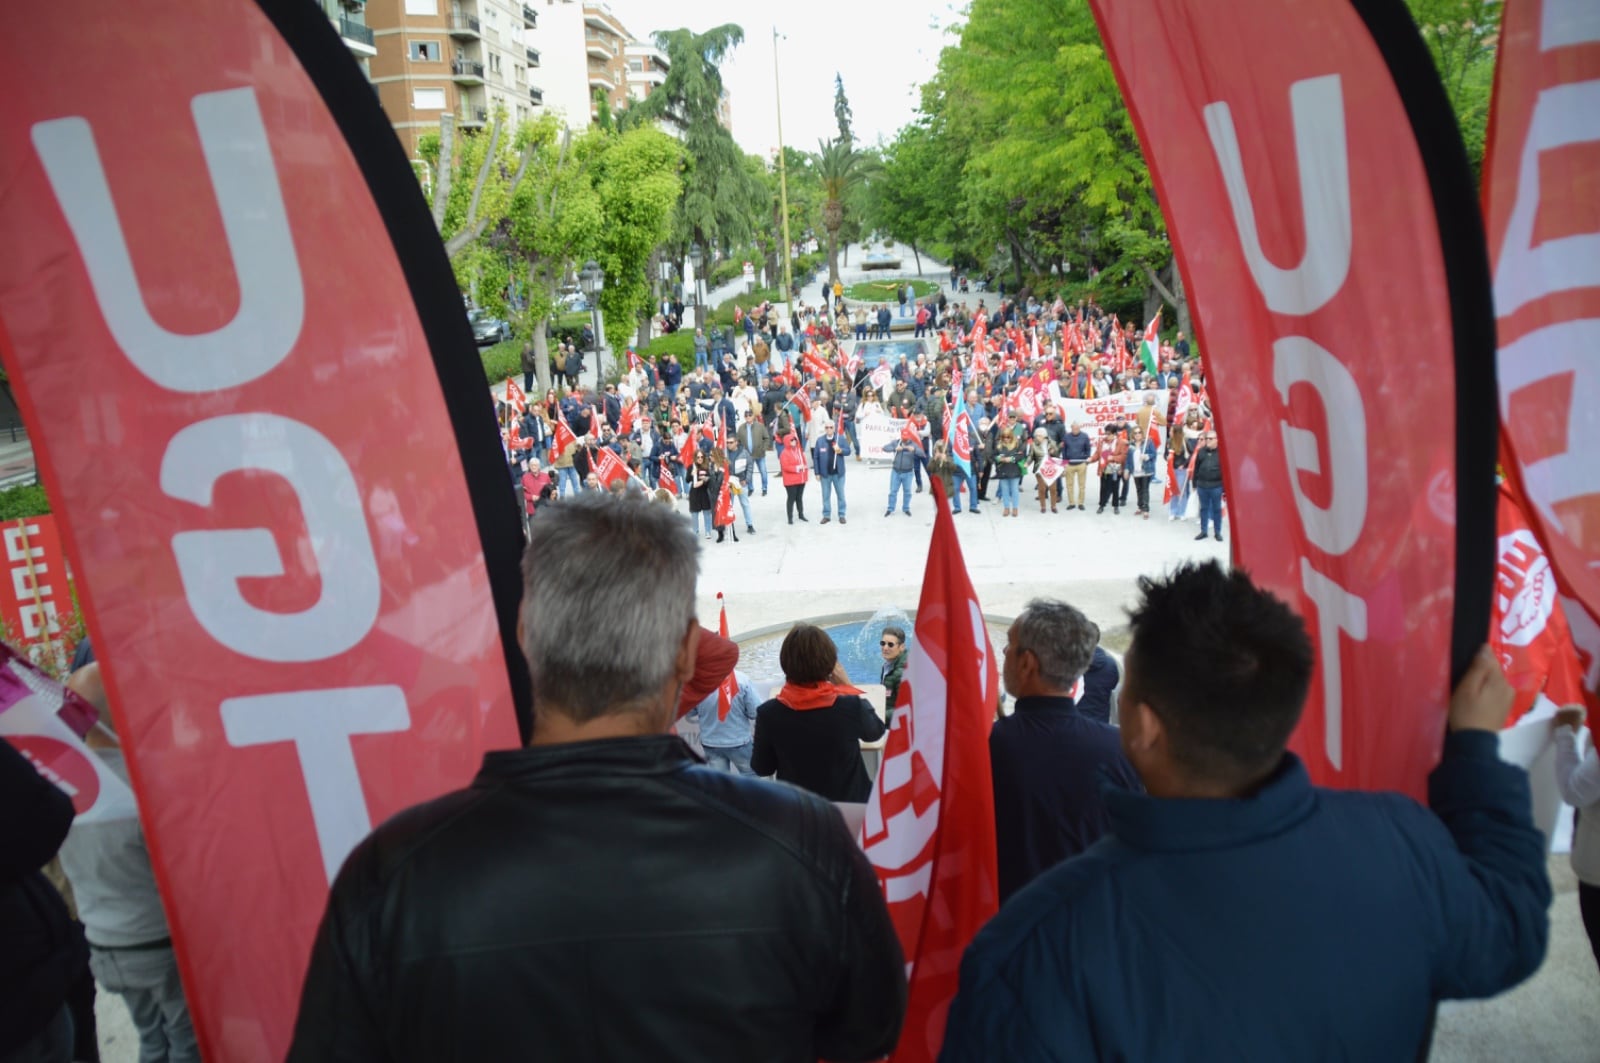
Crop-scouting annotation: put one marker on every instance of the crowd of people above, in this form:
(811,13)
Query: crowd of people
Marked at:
(1172,885)
(981,407)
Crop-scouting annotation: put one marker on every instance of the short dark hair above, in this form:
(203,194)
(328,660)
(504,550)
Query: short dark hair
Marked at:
(807,655)
(1224,664)
(896,631)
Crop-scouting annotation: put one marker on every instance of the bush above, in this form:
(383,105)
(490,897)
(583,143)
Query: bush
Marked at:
(679,345)
(28,500)
(502,360)
(886,291)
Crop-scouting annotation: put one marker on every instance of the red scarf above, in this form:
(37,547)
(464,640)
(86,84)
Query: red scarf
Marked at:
(803,697)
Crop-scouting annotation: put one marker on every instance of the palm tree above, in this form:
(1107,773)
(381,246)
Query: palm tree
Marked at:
(841,168)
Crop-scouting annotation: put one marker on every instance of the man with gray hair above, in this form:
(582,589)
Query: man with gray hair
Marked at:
(601,894)
(1048,758)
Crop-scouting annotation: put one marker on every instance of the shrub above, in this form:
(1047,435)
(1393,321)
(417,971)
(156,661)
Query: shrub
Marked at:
(27,500)
(502,360)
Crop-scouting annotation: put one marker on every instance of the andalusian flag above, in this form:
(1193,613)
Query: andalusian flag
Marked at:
(1150,346)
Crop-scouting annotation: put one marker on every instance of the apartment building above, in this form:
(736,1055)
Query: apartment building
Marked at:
(466,57)
(606,40)
(647,68)
(349,19)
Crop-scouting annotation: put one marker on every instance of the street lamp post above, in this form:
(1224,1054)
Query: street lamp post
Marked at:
(592,279)
(697,259)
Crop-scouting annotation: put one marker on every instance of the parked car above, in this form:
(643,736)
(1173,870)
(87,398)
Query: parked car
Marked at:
(574,303)
(881,260)
(488,329)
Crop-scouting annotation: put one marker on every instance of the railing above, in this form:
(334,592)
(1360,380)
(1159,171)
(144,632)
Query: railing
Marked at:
(536,95)
(352,30)
(465,23)
(530,17)
(474,115)
(466,68)
(533,57)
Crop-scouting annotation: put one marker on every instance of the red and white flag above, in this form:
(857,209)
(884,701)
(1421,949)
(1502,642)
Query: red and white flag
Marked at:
(666,481)
(625,422)
(634,364)
(1527,631)
(564,436)
(1051,469)
(929,827)
(1027,401)
(514,396)
(608,467)
(882,379)
(802,402)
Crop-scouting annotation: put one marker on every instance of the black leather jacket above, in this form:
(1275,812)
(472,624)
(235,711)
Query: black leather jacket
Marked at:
(609,900)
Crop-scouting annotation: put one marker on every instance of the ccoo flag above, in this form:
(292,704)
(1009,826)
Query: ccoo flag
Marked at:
(929,828)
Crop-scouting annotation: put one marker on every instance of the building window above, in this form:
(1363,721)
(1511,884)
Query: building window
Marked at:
(425,51)
(494,62)
(636,65)
(427,99)
(517,73)
(422,7)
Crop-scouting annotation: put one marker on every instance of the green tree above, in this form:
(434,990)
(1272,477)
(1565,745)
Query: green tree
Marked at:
(840,169)
(722,202)
(841,108)
(1462,36)
(637,180)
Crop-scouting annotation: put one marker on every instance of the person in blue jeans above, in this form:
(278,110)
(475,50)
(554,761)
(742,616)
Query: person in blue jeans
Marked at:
(906,453)
(1206,477)
(700,348)
(729,741)
(828,458)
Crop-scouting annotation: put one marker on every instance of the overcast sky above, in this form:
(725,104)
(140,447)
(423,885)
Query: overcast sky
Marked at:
(884,50)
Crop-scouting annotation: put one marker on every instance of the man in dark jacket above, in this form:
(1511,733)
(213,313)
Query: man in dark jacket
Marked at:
(42,951)
(1237,912)
(1075,451)
(1098,683)
(1050,761)
(558,906)
(1206,476)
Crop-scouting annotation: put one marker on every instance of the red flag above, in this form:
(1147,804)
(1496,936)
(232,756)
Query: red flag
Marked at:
(686,452)
(1172,481)
(564,436)
(814,364)
(625,422)
(722,433)
(1540,224)
(634,364)
(514,396)
(723,515)
(908,432)
(666,481)
(1072,384)
(1396,596)
(802,401)
(1527,630)
(730,685)
(929,828)
(608,467)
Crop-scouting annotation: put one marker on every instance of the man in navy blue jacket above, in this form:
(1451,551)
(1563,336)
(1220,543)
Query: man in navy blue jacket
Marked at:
(1049,760)
(1236,911)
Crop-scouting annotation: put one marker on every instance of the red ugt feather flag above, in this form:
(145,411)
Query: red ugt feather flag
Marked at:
(929,828)
(666,481)
(609,468)
(514,396)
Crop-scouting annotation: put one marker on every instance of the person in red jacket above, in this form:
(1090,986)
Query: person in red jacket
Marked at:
(792,459)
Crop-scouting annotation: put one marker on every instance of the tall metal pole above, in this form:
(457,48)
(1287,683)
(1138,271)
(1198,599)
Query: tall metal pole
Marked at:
(783,181)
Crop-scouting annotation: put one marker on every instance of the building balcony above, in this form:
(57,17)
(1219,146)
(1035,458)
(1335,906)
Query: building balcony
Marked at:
(466,71)
(357,36)
(466,26)
(530,17)
(601,79)
(533,56)
(536,95)
(599,49)
(473,117)
(651,77)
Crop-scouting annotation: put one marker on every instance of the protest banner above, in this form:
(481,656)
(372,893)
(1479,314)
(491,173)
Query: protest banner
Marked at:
(877,431)
(1292,272)
(304,606)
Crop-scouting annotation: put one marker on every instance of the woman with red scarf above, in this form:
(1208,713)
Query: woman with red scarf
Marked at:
(811,733)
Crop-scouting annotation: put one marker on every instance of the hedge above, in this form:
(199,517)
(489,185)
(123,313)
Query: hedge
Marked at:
(28,500)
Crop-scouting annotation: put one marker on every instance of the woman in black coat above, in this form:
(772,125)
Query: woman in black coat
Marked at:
(811,733)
